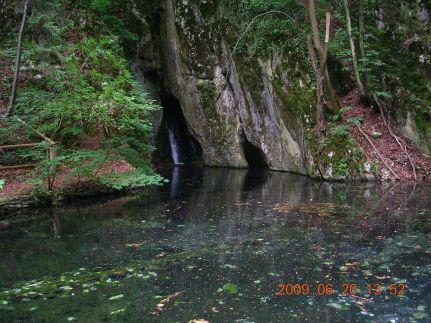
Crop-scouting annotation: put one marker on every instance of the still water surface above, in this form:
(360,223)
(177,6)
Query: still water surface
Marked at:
(217,244)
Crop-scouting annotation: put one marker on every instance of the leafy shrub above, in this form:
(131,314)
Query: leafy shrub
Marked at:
(84,89)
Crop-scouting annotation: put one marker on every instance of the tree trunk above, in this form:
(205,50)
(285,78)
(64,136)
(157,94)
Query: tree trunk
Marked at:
(320,74)
(314,25)
(332,101)
(362,37)
(353,51)
(18,59)
(319,91)
(361,29)
(52,169)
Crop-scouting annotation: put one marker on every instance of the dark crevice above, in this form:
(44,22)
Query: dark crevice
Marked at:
(254,156)
(174,142)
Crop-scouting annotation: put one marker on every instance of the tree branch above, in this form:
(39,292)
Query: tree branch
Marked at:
(377,152)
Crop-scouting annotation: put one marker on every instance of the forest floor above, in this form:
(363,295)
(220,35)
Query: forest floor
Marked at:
(18,188)
(385,143)
(18,184)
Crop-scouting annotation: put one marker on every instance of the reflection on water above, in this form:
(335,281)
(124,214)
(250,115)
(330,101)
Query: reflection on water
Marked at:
(217,244)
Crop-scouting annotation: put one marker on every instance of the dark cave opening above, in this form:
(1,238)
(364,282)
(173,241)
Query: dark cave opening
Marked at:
(254,156)
(174,142)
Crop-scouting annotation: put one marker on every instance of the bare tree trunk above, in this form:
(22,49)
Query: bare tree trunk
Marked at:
(361,29)
(52,154)
(18,59)
(362,39)
(319,91)
(314,25)
(332,101)
(320,73)
(353,51)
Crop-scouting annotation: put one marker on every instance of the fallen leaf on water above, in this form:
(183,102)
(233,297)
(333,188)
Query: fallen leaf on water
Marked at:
(161,255)
(215,310)
(166,300)
(383,277)
(336,306)
(135,245)
(230,266)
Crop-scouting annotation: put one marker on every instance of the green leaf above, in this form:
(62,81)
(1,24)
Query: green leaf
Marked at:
(230,288)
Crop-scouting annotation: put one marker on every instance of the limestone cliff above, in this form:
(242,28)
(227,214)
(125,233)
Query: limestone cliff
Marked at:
(231,110)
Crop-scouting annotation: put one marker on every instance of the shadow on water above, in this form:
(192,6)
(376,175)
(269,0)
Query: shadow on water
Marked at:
(227,239)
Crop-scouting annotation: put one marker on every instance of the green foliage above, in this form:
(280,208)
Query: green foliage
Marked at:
(286,28)
(341,152)
(136,178)
(82,90)
(396,63)
(101,6)
(105,11)
(2,183)
(341,131)
(230,288)
(337,115)
(373,169)
(355,120)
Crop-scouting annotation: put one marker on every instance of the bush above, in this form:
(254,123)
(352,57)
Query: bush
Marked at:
(79,86)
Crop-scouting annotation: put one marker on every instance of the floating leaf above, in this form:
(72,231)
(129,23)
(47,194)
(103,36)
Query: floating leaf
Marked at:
(230,288)
(420,315)
(113,298)
(336,306)
(118,311)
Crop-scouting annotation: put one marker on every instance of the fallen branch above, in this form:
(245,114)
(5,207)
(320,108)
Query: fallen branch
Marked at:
(18,167)
(377,152)
(48,140)
(397,139)
(10,147)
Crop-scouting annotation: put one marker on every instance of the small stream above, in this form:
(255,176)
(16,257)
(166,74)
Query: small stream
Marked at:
(175,150)
(220,245)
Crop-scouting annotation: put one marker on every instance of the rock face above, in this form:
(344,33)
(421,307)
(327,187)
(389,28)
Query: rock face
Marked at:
(410,128)
(240,115)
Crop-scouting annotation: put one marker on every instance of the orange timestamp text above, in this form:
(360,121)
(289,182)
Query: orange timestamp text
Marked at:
(347,289)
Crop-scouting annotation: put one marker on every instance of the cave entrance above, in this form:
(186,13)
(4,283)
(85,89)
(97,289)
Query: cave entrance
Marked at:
(254,156)
(174,142)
